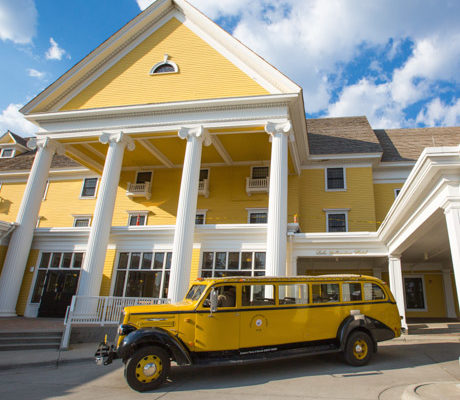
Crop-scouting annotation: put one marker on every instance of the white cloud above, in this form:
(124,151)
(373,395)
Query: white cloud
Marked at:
(55,52)
(11,119)
(35,74)
(438,113)
(18,20)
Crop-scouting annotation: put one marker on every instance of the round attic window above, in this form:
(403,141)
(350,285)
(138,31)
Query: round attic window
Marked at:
(164,67)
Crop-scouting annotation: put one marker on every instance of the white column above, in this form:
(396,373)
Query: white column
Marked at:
(277,199)
(93,265)
(186,211)
(397,287)
(21,239)
(452,213)
(449,294)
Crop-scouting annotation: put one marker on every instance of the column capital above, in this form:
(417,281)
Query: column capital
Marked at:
(394,257)
(273,128)
(450,206)
(197,132)
(46,143)
(119,137)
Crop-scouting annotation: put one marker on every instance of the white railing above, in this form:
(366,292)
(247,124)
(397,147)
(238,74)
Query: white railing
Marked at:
(203,188)
(138,190)
(100,310)
(259,185)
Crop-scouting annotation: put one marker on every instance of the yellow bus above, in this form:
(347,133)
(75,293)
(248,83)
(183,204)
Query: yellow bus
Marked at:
(239,319)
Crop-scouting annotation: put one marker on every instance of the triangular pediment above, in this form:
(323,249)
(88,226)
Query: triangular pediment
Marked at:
(211,65)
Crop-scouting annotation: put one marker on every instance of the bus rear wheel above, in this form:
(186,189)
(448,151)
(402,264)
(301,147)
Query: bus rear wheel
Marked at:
(147,368)
(358,350)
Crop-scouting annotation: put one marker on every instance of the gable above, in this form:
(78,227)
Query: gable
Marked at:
(7,139)
(204,73)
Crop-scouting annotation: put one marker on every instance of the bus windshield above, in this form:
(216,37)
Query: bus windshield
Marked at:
(195,292)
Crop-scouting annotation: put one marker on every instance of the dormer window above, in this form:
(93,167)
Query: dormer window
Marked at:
(7,153)
(164,67)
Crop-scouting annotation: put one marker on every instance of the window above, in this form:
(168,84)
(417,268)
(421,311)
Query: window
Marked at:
(293,294)
(337,221)
(232,263)
(54,260)
(137,218)
(351,291)
(335,179)
(257,295)
(226,297)
(257,215)
(143,177)
(80,221)
(259,172)
(7,153)
(397,192)
(415,293)
(204,174)
(200,217)
(373,292)
(89,188)
(325,292)
(143,274)
(164,67)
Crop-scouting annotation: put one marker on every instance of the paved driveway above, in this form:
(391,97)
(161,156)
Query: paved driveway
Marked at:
(395,366)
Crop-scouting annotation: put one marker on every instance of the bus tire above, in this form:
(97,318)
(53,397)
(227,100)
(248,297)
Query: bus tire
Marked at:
(358,350)
(147,369)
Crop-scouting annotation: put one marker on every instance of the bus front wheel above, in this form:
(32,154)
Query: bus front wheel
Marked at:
(358,350)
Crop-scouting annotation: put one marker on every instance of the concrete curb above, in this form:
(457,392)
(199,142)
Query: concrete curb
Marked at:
(445,390)
(6,367)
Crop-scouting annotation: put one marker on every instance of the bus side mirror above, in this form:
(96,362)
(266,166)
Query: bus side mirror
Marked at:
(213,300)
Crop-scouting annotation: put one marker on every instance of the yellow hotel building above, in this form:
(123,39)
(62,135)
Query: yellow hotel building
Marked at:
(172,151)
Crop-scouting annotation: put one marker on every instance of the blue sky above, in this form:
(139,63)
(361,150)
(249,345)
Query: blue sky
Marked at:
(397,62)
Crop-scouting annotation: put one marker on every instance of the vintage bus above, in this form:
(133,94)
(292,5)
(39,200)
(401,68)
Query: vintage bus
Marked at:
(238,319)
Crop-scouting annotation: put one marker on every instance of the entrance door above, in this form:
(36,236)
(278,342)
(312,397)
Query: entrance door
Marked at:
(59,288)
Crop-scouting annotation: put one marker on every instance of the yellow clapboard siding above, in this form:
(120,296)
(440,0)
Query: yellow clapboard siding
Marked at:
(358,197)
(26,282)
(203,74)
(195,266)
(10,200)
(107,273)
(384,198)
(3,250)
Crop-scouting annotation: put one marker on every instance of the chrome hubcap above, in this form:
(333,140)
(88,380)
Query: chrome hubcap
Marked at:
(150,369)
(358,348)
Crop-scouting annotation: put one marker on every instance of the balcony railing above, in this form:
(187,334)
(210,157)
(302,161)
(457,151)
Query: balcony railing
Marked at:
(139,190)
(203,188)
(259,185)
(100,310)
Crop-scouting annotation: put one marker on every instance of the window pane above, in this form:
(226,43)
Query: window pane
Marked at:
(335,178)
(166,285)
(246,260)
(89,187)
(199,219)
(373,292)
(143,177)
(208,258)
(414,293)
(221,260)
(6,153)
(164,68)
(146,260)
(325,293)
(135,261)
(203,174)
(168,260)
(137,220)
(81,222)
(55,260)
(206,274)
(143,284)
(119,284)
(259,260)
(351,291)
(336,223)
(258,218)
(159,259)
(39,283)
(77,260)
(45,260)
(66,260)
(258,295)
(123,261)
(259,172)
(233,260)
(293,294)
(226,296)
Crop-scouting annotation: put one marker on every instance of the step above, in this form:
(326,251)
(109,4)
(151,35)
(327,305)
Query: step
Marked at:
(33,346)
(20,340)
(28,334)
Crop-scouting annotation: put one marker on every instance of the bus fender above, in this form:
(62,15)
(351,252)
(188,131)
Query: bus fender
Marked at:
(351,323)
(156,337)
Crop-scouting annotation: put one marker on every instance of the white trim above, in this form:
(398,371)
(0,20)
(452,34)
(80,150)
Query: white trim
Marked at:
(142,213)
(396,192)
(89,217)
(260,210)
(95,189)
(375,157)
(46,189)
(330,211)
(201,212)
(164,62)
(13,152)
(326,188)
(422,277)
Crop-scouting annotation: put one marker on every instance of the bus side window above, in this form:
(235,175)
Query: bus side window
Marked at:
(373,292)
(325,292)
(351,291)
(293,294)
